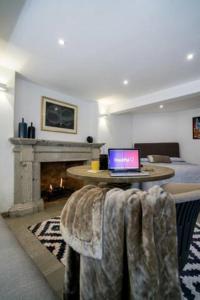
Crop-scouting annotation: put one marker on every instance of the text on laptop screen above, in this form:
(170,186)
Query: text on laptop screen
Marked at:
(124,159)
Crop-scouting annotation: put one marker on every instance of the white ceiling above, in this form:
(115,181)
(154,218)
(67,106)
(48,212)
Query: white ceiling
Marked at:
(106,42)
(183,103)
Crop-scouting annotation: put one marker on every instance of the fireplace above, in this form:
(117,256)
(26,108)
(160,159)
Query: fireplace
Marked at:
(29,155)
(55,183)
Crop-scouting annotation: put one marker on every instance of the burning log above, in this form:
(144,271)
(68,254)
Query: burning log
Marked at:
(57,192)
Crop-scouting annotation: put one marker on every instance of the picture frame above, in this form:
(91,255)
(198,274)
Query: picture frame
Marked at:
(58,116)
(196,127)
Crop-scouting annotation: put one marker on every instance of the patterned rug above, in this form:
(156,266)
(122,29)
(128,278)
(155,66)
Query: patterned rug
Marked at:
(48,233)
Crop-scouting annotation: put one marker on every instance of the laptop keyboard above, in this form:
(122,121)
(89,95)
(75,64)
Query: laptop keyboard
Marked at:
(128,174)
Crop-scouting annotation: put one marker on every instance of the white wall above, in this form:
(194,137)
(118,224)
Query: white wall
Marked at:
(115,130)
(154,127)
(6,131)
(168,127)
(28,105)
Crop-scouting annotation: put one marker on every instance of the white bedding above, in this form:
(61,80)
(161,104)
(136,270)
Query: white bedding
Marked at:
(184,173)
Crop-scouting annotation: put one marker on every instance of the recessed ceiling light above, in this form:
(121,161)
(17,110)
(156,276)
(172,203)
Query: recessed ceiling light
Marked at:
(61,42)
(190,56)
(161,106)
(125,82)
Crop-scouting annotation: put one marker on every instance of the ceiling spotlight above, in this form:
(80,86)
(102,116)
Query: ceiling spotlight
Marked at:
(3,87)
(161,106)
(190,56)
(125,82)
(61,42)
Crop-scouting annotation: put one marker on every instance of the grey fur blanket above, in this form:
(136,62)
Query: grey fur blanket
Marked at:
(81,221)
(121,245)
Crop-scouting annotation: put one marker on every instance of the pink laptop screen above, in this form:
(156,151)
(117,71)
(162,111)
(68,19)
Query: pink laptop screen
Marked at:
(123,159)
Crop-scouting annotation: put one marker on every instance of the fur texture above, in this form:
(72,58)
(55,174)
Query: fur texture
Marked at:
(81,221)
(135,233)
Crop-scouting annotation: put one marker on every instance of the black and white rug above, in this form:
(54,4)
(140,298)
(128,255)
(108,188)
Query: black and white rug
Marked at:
(48,233)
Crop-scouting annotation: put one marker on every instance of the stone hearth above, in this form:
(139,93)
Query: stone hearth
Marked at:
(28,155)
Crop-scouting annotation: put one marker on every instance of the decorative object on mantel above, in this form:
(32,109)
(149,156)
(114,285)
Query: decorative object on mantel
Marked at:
(58,116)
(22,129)
(196,127)
(31,131)
(89,139)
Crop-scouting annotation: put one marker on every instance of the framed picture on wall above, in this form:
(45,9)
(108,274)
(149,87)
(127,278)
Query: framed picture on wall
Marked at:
(58,116)
(196,127)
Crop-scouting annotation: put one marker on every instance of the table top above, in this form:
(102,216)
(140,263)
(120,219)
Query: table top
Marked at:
(155,173)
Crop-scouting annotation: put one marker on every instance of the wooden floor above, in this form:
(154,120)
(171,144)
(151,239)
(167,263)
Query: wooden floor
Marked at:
(51,268)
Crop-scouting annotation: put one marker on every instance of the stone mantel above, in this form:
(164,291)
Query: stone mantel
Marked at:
(38,142)
(28,155)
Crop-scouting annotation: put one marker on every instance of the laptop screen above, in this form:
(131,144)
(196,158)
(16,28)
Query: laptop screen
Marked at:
(123,159)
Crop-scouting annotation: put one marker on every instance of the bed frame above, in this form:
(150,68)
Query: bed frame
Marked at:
(170,149)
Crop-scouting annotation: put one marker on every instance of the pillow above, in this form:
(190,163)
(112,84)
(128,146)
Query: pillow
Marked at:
(144,159)
(176,159)
(159,159)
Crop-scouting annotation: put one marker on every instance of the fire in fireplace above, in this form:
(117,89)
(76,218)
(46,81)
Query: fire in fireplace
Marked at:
(56,192)
(55,183)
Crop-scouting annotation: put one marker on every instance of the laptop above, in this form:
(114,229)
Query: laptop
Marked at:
(124,162)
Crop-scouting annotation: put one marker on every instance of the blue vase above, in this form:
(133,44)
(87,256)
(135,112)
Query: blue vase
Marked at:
(31,132)
(22,129)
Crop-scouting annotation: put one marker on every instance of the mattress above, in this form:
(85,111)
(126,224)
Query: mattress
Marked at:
(184,173)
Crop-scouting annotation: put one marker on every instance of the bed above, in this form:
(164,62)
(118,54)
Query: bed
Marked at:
(184,172)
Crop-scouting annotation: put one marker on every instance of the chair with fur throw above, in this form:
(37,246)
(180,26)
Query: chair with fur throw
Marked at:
(187,199)
(121,245)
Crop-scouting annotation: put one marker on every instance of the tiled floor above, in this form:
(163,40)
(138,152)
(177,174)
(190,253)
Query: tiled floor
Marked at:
(52,269)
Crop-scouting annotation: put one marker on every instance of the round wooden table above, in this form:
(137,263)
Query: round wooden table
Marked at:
(155,173)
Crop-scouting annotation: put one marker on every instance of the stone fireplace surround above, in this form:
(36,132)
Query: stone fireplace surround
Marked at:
(28,155)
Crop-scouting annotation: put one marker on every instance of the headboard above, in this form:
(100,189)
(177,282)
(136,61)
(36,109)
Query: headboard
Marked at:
(170,149)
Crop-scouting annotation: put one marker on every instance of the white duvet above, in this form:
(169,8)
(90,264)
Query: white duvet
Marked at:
(184,173)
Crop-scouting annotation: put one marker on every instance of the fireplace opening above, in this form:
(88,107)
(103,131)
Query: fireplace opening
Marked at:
(55,183)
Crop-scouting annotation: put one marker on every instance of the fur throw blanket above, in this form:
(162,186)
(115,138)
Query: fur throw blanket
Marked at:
(121,245)
(81,221)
